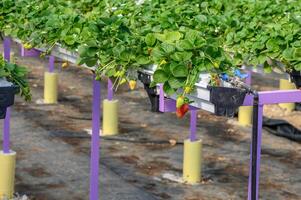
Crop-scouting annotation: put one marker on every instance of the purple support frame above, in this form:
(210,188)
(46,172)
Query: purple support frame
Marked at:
(6,126)
(193,124)
(94,164)
(29,52)
(51,64)
(110,90)
(161,99)
(264,98)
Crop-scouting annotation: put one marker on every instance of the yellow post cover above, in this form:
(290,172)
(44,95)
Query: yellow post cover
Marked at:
(245,114)
(192,164)
(7,174)
(110,117)
(50,87)
(287,85)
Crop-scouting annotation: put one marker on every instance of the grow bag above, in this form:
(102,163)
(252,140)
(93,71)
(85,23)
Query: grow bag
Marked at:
(226,100)
(7,98)
(296,77)
(151,92)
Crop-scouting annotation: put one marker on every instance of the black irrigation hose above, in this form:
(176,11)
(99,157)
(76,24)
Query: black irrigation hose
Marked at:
(254,146)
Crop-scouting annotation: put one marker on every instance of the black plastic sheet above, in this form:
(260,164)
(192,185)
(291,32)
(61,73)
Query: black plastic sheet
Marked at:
(282,128)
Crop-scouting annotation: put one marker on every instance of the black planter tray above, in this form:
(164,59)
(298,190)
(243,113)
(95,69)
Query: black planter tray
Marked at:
(152,93)
(7,98)
(296,78)
(226,100)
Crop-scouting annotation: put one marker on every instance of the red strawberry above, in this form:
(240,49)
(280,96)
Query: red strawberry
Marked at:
(182,110)
(185,108)
(179,113)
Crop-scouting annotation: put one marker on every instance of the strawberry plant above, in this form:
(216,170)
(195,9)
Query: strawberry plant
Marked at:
(183,38)
(16,75)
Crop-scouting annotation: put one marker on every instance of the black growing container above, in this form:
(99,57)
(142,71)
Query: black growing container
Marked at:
(151,92)
(7,98)
(226,100)
(296,77)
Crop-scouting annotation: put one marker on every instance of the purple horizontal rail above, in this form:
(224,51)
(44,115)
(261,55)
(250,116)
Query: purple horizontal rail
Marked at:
(279,96)
(275,97)
(29,52)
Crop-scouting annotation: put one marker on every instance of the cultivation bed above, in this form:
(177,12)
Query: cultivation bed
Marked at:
(61,53)
(50,133)
(202,96)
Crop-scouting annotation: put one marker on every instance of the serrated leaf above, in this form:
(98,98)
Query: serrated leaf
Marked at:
(142,60)
(186,44)
(91,62)
(168,89)
(176,83)
(272,45)
(160,76)
(179,70)
(168,48)
(150,39)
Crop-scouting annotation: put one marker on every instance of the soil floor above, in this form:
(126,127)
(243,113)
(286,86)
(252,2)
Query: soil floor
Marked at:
(53,147)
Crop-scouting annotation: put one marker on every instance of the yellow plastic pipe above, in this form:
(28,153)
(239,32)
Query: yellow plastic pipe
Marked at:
(7,174)
(245,114)
(192,164)
(50,87)
(287,85)
(110,117)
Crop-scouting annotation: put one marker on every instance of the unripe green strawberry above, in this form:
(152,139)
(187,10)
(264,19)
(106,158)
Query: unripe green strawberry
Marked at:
(180,101)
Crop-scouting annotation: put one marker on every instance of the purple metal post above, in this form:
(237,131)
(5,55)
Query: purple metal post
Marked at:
(6,126)
(22,50)
(51,64)
(193,125)
(161,99)
(94,164)
(110,90)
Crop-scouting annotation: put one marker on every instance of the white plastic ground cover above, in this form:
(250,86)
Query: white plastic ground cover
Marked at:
(201,95)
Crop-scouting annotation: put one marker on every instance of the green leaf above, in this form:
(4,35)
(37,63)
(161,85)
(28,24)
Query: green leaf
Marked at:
(150,39)
(272,45)
(69,39)
(267,68)
(168,48)
(157,54)
(181,56)
(142,60)
(297,53)
(298,67)
(91,62)
(173,36)
(169,37)
(179,70)
(186,44)
(83,51)
(168,89)
(91,52)
(160,76)
(176,83)
(288,54)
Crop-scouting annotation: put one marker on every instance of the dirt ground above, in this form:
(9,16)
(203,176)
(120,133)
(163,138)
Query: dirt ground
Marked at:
(54,148)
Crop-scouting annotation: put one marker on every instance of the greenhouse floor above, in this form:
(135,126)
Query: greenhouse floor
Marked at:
(54,148)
